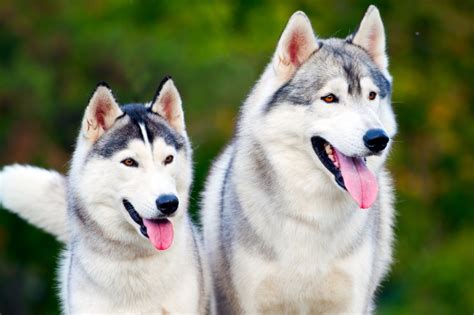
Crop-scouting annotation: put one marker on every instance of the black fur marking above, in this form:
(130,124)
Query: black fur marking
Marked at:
(160,87)
(137,112)
(118,138)
(98,85)
(103,83)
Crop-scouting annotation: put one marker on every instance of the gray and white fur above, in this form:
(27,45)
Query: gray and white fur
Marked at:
(126,158)
(281,231)
(282,235)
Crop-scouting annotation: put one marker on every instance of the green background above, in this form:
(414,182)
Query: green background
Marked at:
(52,53)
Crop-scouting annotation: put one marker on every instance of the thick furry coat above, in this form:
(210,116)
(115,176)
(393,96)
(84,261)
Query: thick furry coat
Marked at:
(131,247)
(283,225)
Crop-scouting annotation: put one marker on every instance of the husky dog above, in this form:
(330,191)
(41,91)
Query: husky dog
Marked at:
(283,212)
(130,244)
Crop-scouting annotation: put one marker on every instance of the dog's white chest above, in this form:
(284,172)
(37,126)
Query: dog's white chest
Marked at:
(309,277)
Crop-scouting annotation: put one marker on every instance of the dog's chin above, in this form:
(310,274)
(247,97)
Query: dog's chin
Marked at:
(324,152)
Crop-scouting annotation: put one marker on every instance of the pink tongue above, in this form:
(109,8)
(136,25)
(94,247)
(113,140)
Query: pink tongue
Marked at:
(359,181)
(160,233)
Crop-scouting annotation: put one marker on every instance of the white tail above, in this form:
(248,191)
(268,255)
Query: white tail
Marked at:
(36,195)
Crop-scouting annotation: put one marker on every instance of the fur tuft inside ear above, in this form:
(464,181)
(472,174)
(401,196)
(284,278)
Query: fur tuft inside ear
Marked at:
(101,113)
(167,103)
(296,44)
(371,36)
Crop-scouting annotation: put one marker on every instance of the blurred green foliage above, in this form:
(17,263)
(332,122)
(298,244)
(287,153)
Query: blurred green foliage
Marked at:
(53,52)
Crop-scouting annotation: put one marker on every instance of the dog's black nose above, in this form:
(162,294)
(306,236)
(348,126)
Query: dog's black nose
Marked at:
(167,204)
(375,140)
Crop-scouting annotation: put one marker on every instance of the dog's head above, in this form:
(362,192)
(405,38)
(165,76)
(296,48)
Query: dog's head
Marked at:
(131,170)
(333,100)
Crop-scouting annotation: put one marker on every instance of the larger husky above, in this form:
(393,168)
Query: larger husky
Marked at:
(297,212)
(131,247)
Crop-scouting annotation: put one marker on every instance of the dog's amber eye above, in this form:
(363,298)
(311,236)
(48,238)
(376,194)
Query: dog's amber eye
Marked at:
(130,162)
(330,98)
(372,96)
(168,159)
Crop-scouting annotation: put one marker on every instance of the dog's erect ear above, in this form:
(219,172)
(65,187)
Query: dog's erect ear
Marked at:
(100,114)
(167,103)
(371,37)
(296,44)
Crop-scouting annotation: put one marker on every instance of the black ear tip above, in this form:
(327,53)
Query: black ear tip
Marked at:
(164,80)
(103,83)
(160,86)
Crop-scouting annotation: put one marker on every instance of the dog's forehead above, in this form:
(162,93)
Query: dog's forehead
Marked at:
(137,123)
(338,58)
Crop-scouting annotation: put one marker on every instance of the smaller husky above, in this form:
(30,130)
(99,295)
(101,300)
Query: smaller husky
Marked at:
(131,247)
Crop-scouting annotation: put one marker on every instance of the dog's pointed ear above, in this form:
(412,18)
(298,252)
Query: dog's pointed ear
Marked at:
(296,44)
(167,103)
(101,113)
(371,36)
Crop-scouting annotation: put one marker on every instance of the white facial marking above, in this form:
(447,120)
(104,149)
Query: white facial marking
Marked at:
(145,136)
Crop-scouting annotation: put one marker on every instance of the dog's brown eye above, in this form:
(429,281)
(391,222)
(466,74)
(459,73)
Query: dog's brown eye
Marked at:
(330,98)
(372,96)
(130,162)
(168,159)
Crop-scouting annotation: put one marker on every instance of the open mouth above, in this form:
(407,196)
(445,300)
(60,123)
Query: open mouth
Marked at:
(159,231)
(350,172)
(327,156)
